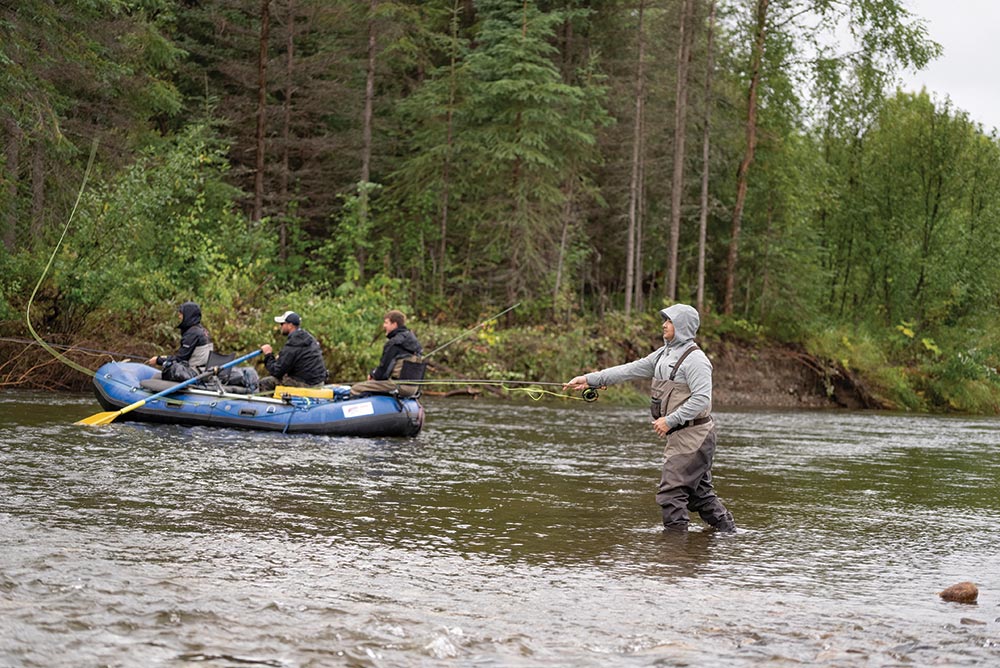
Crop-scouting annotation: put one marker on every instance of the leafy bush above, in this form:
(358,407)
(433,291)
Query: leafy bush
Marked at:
(966,381)
(547,353)
(347,323)
(13,273)
(860,352)
(165,226)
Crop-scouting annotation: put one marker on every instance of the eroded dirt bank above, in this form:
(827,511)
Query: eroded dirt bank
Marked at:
(745,376)
(781,377)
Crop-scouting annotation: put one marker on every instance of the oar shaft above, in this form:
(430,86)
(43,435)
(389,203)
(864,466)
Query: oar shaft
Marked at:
(204,374)
(105,418)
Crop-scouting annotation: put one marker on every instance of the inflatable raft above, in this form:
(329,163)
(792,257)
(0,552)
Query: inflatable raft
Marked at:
(330,411)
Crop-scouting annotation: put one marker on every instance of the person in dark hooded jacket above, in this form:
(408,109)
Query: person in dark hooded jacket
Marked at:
(196,343)
(681,407)
(300,363)
(400,344)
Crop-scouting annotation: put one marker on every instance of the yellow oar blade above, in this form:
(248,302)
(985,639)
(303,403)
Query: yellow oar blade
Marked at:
(100,419)
(107,418)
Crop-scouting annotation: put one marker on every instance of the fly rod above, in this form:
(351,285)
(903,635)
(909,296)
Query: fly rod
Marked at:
(27,311)
(589,394)
(471,330)
(110,353)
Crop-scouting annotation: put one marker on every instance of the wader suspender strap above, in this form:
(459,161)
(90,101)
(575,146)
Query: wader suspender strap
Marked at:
(673,372)
(677,365)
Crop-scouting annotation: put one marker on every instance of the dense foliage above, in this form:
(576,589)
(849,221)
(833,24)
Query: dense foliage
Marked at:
(452,157)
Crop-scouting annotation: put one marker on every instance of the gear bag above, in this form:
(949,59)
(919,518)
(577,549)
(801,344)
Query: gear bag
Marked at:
(234,378)
(176,371)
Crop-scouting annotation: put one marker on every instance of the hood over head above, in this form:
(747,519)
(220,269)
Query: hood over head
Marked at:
(190,315)
(686,322)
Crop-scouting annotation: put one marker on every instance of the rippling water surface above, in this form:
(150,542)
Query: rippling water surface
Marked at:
(504,535)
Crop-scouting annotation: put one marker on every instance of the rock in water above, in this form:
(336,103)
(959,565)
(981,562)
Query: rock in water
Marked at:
(963,592)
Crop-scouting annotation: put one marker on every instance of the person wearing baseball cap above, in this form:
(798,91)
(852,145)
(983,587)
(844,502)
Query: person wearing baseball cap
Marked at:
(300,363)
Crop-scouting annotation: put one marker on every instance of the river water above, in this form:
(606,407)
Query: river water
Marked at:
(505,534)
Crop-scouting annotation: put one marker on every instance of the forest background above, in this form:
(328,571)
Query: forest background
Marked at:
(590,160)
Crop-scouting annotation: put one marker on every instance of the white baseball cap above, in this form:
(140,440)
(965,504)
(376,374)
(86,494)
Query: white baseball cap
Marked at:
(290,317)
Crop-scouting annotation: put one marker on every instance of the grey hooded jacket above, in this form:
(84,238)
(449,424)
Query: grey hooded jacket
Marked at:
(696,372)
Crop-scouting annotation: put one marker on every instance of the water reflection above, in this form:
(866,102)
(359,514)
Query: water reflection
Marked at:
(504,534)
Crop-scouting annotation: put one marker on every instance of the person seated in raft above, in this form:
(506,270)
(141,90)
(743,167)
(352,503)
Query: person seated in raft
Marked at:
(192,355)
(300,363)
(401,345)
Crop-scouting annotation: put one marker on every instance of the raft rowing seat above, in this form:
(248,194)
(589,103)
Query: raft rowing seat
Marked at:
(221,384)
(156,384)
(396,386)
(410,371)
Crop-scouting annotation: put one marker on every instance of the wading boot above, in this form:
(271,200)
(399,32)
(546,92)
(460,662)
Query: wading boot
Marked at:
(675,528)
(726,525)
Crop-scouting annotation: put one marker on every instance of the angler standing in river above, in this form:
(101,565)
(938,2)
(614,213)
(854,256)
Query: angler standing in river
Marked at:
(681,406)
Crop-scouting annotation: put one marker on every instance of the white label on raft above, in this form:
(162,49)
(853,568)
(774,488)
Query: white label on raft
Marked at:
(357,410)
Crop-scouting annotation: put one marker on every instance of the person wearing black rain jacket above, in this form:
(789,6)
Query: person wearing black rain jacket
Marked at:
(196,344)
(300,363)
(400,344)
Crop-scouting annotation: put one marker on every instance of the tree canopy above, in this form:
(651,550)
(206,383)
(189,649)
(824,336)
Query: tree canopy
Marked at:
(457,156)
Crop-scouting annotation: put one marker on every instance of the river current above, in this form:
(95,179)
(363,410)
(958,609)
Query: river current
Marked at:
(505,534)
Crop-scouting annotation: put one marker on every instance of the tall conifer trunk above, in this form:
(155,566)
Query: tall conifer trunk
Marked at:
(567,221)
(640,219)
(12,149)
(751,145)
(633,189)
(286,130)
(37,189)
(705,139)
(446,168)
(366,133)
(680,131)
(258,181)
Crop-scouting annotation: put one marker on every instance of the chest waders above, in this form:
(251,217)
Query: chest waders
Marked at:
(199,357)
(686,478)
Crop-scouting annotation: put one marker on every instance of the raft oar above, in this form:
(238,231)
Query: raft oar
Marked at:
(109,416)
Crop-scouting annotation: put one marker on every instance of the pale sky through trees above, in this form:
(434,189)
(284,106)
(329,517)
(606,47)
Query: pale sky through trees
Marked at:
(967,71)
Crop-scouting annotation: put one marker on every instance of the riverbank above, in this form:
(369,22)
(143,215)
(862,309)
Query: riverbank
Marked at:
(781,377)
(746,375)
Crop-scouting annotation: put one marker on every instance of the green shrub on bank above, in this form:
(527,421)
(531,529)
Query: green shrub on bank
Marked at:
(965,381)
(549,353)
(911,370)
(163,227)
(14,271)
(861,353)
